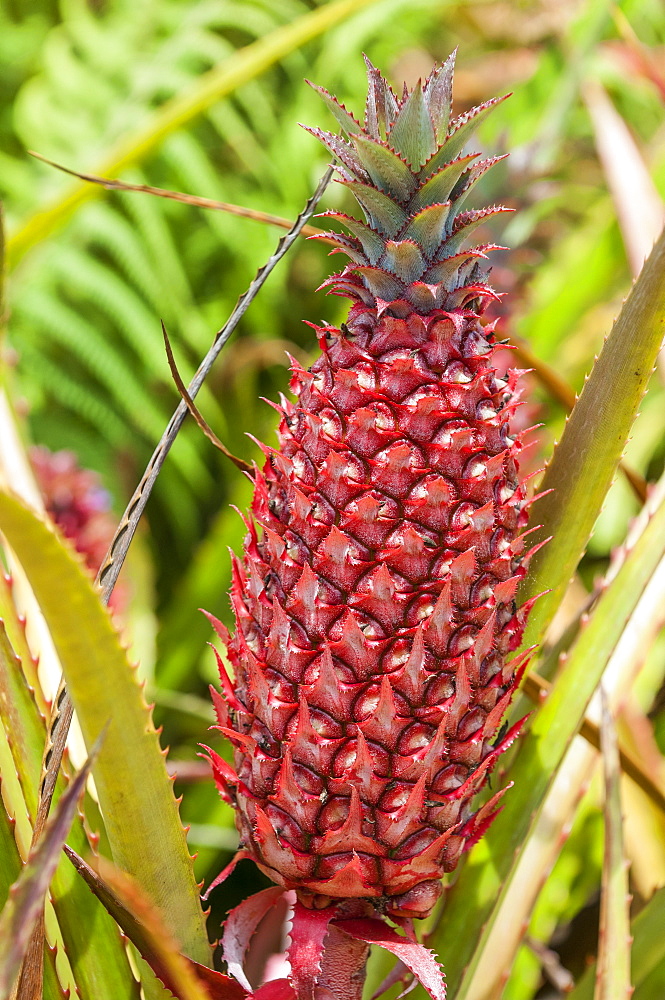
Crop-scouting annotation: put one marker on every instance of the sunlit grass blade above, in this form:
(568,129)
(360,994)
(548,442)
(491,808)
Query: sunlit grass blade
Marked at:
(537,688)
(19,717)
(475,899)
(26,898)
(145,929)
(587,456)
(613,975)
(135,793)
(15,630)
(238,69)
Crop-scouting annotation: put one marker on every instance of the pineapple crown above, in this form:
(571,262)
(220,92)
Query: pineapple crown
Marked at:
(404,167)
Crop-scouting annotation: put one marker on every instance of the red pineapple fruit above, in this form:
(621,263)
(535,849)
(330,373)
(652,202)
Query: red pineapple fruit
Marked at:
(374,603)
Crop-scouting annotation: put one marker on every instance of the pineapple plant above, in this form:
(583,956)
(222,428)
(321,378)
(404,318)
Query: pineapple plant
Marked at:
(380,604)
(376,622)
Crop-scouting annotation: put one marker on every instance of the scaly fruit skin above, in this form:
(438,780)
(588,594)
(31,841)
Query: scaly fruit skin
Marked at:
(374,604)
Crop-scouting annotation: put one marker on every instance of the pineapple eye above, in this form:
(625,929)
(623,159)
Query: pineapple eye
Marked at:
(485,410)
(370,630)
(331,425)
(462,516)
(462,640)
(366,378)
(457,372)
(474,469)
(383,422)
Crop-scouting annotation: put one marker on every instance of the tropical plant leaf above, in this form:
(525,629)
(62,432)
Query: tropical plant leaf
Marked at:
(276,989)
(648,949)
(17,715)
(419,960)
(10,859)
(475,899)
(134,789)
(26,898)
(639,207)
(587,456)
(15,632)
(94,949)
(613,977)
(241,923)
(308,935)
(144,927)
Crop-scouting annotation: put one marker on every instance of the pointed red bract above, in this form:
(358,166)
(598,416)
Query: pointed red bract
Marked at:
(308,934)
(276,989)
(219,986)
(240,926)
(418,959)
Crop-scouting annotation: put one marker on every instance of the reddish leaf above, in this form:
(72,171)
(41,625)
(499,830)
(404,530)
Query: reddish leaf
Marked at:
(143,925)
(308,934)
(26,896)
(276,989)
(225,872)
(241,925)
(219,986)
(418,959)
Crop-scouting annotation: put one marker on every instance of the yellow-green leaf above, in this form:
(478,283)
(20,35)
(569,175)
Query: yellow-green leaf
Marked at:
(586,459)
(26,897)
(613,978)
(135,793)
(92,941)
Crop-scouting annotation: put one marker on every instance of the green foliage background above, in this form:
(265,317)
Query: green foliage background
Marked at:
(85,297)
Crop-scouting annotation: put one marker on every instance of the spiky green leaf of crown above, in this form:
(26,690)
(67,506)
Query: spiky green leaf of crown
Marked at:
(405,168)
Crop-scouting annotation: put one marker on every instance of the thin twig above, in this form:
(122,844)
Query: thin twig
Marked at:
(107,576)
(186,199)
(195,412)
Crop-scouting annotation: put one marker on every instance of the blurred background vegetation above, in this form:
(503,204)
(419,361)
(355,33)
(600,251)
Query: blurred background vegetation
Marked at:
(136,88)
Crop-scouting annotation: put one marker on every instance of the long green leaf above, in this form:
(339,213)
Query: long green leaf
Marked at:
(475,899)
(135,793)
(15,631)
(238,69)
(94,948)
(10,869)
(613,980)
(26,898)
(10,860)
(648,951)
(145,929)
(586,459)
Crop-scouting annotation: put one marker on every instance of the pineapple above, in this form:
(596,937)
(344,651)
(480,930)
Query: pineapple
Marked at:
(374,603)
